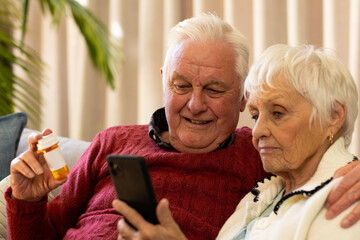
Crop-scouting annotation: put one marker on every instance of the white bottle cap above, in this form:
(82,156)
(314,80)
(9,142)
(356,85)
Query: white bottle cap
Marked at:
(47,141)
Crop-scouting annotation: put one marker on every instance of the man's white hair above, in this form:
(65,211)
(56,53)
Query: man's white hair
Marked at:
(317,74)
(204,28)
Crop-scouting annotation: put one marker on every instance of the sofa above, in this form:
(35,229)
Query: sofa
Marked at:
(72,149)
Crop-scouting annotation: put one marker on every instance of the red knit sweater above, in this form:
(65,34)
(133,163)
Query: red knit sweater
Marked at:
(203,189)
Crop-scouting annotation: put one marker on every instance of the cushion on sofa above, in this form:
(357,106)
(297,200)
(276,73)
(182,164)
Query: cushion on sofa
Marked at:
(11,127)
(3,186)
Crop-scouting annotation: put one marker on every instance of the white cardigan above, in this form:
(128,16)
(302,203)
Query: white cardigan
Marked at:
(301,213)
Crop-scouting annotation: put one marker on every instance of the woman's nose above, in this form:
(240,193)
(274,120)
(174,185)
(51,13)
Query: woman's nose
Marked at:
(261,128)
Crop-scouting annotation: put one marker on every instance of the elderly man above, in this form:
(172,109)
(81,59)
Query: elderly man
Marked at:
(197,158)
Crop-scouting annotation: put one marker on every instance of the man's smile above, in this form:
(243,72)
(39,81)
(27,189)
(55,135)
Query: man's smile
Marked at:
(196,121)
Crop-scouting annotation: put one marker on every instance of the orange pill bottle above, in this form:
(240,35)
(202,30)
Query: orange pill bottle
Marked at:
(49,146)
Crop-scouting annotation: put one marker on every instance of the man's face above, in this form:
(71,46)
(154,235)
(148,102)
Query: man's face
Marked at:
(202,92)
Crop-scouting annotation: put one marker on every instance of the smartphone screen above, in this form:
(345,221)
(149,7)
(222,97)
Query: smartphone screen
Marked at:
(133,184)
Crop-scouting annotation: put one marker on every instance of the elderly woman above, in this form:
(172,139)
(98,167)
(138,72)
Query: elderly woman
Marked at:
(304,103)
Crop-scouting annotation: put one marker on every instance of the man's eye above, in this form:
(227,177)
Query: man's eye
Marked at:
(182,88)
(214,92)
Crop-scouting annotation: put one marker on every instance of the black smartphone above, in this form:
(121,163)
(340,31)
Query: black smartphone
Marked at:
(133,185)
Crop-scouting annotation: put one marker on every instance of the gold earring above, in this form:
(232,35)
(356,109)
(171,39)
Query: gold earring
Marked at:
(331,139)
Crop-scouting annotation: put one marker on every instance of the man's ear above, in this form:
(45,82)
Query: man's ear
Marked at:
(242,104)
(338,117)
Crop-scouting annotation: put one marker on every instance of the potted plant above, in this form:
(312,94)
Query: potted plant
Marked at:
(18,93)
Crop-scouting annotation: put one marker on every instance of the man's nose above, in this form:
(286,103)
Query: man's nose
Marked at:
(197,103)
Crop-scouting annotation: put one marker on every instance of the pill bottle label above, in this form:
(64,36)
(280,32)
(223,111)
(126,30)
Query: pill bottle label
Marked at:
(53,156)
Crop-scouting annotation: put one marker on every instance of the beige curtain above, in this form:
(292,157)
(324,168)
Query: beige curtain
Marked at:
(78,103)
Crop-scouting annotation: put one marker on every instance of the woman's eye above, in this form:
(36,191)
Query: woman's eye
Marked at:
(277,114)
(255,117)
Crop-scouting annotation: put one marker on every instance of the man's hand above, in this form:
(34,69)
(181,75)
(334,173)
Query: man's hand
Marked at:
(166,229)
(344,194)
(31,178)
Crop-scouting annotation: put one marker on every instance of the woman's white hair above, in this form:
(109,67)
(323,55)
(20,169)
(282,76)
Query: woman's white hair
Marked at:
(317,74)
(208,27)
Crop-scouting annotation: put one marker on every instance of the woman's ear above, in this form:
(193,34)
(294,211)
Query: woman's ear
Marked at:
(338,117)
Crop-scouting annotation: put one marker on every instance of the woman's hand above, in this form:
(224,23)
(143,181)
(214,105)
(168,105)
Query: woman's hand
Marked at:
(166,229)
(31,178)
(345,194)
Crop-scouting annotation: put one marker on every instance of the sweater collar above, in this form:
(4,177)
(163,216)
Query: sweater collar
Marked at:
(158,125)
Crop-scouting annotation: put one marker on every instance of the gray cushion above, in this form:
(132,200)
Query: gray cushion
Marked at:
(11,127)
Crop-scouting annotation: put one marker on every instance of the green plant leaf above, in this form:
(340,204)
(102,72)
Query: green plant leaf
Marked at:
(16,92)
(104,51)
(24,21)
(21,92)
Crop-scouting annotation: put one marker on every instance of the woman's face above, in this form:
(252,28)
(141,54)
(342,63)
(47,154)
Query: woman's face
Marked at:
(287,145)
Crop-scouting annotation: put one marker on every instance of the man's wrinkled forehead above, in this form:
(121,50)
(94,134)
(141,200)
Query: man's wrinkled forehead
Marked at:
(210,54)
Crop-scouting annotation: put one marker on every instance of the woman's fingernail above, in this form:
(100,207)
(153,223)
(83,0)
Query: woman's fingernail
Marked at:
(330,214)
(345,223)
